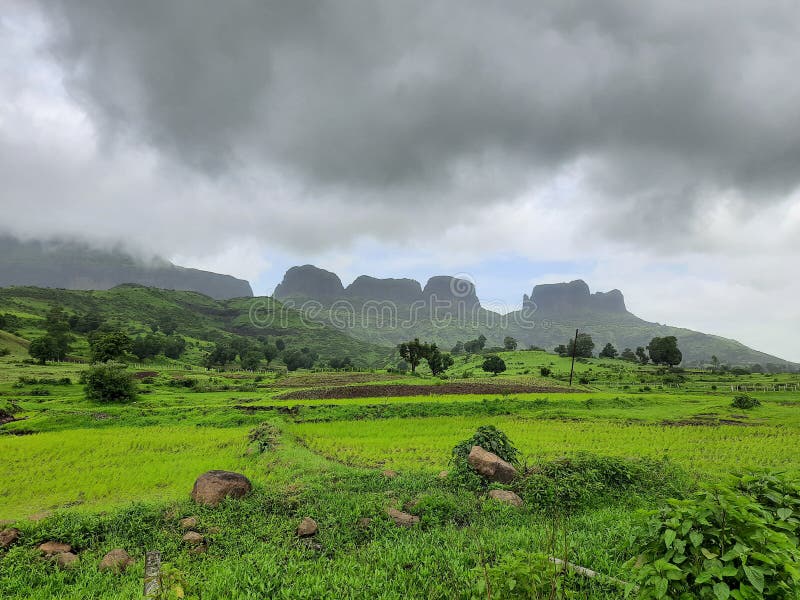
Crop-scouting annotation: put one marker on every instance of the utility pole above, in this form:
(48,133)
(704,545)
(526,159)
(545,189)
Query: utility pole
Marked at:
(574,349)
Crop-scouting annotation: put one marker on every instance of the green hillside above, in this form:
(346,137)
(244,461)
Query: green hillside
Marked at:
(198,318)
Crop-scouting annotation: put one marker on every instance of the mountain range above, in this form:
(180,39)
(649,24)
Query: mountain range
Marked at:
(447,310)
(76,266)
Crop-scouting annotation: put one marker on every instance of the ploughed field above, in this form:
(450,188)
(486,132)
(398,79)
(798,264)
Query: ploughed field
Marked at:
(342,448)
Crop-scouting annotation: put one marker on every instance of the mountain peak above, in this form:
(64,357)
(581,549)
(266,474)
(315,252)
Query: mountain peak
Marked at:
(574,296)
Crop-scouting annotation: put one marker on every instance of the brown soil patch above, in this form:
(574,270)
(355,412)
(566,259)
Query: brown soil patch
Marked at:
(379,391)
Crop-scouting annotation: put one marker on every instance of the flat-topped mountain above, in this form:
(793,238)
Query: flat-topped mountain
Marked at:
(573,297)
(74,266)
(447,310)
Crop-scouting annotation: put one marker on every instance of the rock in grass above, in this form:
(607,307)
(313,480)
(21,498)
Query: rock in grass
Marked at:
(401,518)
(116,561)
(491,466)
(506,496)
(307,528)
(188,523)
(193,538)
(390,474)
(364,522)
(65,560)
(54,548)
(213,487)
(8,537)
(443,474)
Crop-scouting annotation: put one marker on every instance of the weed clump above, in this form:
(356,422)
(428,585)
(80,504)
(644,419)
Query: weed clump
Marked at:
(108,382)
(745,402)
(490,439)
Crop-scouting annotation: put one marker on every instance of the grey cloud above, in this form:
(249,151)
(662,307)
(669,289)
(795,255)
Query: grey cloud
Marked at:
(377,96)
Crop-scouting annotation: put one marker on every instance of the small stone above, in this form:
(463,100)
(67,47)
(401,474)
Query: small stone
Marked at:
(193,538)
(390,474)
(307,528)
(410,505)
(444,474)
(214,530)
(116,561)
(401,518)
(506,496)
(364,522)
(188,523)
(65,560)
(8,537)
(53,548)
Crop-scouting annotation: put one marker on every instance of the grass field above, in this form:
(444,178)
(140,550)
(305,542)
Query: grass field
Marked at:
(104,476)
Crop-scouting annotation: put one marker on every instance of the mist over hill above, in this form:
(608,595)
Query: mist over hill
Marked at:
(447,310)
(75,266)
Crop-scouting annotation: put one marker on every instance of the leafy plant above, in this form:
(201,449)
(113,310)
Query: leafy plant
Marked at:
(490,439)
(745,402)
(735,540)
(108,382)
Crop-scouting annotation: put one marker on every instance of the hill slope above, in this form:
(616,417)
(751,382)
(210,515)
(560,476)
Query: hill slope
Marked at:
(201,319)
(74,266)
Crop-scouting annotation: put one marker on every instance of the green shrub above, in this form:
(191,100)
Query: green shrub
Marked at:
(743,401)
(438,509)
(587,480)
(545,371)
(108,382)
(734,540)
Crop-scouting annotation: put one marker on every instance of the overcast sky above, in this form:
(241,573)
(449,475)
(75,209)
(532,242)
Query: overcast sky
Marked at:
(651,147)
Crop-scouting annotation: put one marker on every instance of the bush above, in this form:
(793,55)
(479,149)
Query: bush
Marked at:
(743,401)
(108,382)
(438,509)
(586,480)
(737,540)
(490,439)
(583,380)
(545,371)
(4,351)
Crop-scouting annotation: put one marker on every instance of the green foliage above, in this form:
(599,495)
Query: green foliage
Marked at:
(745,402)
(108,382)
(438,509)
(519,576)
(475,346)
(493,364)
(545,371)
(490,439)
(340,363)
(299,359)
(583,348)
(586,480)
(628,355)
(438,362)
(509,343)
(412,352)
(734,540)
(664,350)
(251,360)
(48,347)
(221,355)
(109,345)
(641,354)
(609,351)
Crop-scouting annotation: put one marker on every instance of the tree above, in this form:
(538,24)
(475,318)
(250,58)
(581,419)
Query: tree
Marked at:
(340,363)
(476,345)
(251,360)
(413,352)
(664,351)
(220,356)
(43,349)
(458,348)
(608,351)
(714,362)
(174,346)
(437,361)
(108,382)
(493,364)
(628,355)
(299,359)
(270,352)
(509,343)
(642,355)
(280,345)
(148,346)
(109,345)
(167,324)
(561,350)
(583,348)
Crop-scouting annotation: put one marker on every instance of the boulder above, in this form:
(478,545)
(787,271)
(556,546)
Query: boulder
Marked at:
(491,466)
(401,518)
(307,528)
(8,537)
(506,496)
(193,538)
(214,486)
(116,561)
(188,523)
(65,560)
(54,548)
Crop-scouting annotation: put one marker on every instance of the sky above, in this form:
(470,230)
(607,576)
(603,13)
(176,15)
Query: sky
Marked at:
(650,147)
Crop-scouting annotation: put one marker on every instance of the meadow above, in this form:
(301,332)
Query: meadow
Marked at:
(102,476)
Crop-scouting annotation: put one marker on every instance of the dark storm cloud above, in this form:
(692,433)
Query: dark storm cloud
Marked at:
(663,102)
